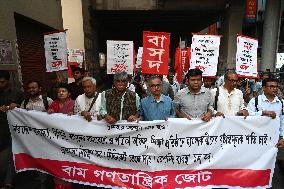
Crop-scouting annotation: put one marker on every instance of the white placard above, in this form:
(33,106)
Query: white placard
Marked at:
(280,60)
(55,51)
(120,56)
(246,57)
(139,57)
(76,55)
(205,53)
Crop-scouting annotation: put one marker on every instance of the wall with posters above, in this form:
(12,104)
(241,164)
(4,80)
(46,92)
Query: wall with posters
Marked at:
(32,9)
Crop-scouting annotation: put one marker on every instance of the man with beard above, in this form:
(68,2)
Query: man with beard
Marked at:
(119,103)
(35,100)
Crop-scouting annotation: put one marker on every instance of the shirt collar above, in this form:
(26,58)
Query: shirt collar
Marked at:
(40,99)
(264,98)
(232,92)
(202,90)
(162,98)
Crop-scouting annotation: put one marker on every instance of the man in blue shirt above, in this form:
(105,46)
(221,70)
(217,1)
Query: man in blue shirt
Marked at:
(156,106)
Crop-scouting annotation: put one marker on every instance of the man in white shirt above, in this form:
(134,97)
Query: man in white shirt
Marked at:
(268,104)
(227,99)
(88,104)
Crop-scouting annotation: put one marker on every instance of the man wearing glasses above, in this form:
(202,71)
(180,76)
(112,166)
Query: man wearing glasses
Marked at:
(228,100)
(119,103)
(268,104)
(156,106)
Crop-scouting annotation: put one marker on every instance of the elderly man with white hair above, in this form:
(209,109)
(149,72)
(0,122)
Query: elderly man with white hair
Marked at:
(88,104)
(119,103)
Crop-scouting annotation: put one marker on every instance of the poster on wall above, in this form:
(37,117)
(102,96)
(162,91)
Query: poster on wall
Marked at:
(6,56)
(55,46)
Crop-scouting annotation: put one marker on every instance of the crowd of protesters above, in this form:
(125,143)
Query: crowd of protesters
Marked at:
(141,97)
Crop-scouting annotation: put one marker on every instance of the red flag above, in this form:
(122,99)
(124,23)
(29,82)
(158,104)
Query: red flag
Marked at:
(212,29)
(178,66)
(185,58)
(155,57)
(182,59)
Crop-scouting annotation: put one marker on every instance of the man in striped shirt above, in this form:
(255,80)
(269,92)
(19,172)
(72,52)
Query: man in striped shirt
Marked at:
(35,100)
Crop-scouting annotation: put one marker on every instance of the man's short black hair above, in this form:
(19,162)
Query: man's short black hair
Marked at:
(5,74)
(77,69)
(266,73)
(34,81)
(63,85)
(269,80)
(229,72)
(193,72)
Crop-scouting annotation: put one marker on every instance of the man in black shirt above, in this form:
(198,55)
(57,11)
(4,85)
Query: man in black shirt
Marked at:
(76,87)
(9,99)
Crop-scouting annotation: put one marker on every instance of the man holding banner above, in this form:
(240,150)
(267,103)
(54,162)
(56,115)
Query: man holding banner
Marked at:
(156,106)
(119,103)
(195,100)
(268,104)
(227,99)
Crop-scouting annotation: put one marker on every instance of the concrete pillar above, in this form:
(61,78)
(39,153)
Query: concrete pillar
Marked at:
(270,34)
(231,26)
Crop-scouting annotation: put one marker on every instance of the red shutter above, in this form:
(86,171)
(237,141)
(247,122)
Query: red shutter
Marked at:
(31,50)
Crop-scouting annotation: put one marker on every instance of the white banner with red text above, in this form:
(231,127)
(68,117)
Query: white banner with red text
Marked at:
(55,46)
(230,152)
(205,53)
(246,57)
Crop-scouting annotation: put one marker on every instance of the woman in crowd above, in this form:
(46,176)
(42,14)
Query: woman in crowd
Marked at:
(63,104)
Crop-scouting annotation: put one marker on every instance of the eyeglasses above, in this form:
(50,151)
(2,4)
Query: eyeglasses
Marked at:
(272,86)
(232,80)
(156,86)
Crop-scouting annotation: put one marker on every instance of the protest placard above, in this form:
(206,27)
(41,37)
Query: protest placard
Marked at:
(139,57)
(120,56)
(246,56)
(155,57)
(280,60)
(205,53)
(55,51)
